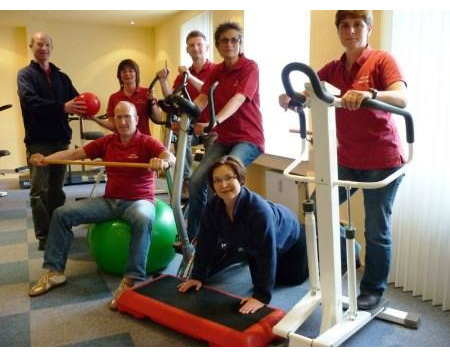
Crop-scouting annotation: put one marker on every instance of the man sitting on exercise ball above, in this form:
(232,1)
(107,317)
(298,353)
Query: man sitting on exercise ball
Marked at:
(129,195)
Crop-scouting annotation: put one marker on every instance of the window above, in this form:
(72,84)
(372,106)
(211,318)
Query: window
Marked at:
(201,23)
(273,44)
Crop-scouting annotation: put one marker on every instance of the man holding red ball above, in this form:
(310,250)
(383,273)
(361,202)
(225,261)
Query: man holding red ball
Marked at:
(47,97)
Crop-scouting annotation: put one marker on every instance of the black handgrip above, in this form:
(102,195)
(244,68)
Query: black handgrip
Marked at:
(380,105)
(75,118)
(313,78)
(183,87)
(160,103)
(153,83)
(177,105)
(21,169)
(102,117)
(4,107)
(212,111)
(329,99)
(297,100)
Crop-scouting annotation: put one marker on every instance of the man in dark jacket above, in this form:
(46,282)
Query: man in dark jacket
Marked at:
(46,98)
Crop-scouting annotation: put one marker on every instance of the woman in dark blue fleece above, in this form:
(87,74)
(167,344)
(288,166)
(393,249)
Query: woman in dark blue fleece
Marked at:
(269,233)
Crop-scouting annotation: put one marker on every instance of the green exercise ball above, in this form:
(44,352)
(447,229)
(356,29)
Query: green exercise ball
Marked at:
(109,241)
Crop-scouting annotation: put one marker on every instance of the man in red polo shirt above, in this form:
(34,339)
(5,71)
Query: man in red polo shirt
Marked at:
(129,195)
(201,68)
(238,118)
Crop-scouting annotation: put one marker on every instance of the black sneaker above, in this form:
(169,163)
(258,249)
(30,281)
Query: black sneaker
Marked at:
(42,243)
(367,300)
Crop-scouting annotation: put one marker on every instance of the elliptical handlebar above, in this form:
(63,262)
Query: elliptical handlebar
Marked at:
(5,107)
(168,107)
(166,123)
(177,105)
(212,111)
(298,100)
(182,88)
(21,169)
(330,99)
(380,105)
(75,118)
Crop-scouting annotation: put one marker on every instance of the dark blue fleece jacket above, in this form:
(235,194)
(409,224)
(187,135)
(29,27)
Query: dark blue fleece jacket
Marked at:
(265,230)
(42,104)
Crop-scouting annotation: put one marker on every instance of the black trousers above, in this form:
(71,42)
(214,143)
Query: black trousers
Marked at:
(292,266)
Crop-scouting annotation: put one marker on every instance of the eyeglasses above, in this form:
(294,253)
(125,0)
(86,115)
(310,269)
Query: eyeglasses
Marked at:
(226,179)
(232,40)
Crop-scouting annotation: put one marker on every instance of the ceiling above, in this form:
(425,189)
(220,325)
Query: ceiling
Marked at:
(142,18)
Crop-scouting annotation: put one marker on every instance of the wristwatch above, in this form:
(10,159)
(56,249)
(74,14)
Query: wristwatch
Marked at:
(374,93)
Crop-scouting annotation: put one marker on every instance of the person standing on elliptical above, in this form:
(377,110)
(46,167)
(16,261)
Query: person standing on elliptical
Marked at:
(46,98)
(128,74)
(369,146)
(238,121)
(197,48)
(269,233)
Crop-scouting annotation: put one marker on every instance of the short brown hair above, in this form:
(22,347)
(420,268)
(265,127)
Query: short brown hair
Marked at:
(234,163)
(223,27)
(365,15)
(131,64)
(194,34)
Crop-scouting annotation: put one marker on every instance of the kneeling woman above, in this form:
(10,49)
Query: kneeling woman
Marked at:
(269,233)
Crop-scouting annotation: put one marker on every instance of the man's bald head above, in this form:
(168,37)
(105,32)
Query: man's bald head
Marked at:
(41,36)
(42,47)
(125,120)
(126,106)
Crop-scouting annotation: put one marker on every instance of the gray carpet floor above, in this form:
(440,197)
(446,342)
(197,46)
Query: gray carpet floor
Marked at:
(76,314)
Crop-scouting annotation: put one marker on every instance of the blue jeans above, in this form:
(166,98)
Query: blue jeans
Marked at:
(378,211)
(138,213)
(198,187)
(46,192)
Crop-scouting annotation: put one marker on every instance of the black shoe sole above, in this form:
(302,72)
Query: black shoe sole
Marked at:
(41,246)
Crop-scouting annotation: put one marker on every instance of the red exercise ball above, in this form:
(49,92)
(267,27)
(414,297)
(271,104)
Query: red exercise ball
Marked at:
(91,101)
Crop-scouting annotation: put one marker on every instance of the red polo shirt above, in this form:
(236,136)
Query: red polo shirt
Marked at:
(139,99)
(368,138)
(193,93)
(127,183)
(245,125)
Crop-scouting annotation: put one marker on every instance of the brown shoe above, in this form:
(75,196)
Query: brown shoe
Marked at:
(124,285)
(49,280)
